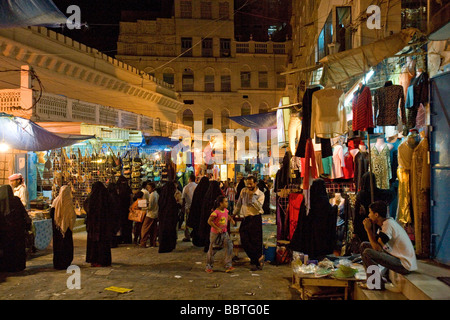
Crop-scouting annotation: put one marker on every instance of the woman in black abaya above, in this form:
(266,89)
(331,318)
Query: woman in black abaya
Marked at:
(168,217)
(63,218)
(99,226)
(207,207)
(315,234)
(195,211)
(14,225)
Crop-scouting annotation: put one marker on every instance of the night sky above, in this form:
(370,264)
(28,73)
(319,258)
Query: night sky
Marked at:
(102,18)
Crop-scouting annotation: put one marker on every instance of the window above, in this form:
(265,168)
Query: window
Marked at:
(209,83)
(209,119)
(186,47)
(225,83)
(246,109)
(224,10)
(281,81)
(263,80)
(188,118)
(185,9)
(325,38)
(225,47)
(263,108)
(205,10)
(169,78)
(188,80)
(245,79)
(343,34)
(207,47)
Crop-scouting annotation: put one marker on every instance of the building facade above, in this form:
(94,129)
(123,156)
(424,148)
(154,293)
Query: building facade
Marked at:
(196,52)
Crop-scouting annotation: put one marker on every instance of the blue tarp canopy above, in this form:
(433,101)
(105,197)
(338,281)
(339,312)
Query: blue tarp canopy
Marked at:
(23,134)
(23,13)
(258,121)
(159,143)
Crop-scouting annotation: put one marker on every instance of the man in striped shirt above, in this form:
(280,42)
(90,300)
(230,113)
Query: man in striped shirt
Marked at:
(250,207)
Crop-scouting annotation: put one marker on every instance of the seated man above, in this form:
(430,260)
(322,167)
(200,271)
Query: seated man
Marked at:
(390,247)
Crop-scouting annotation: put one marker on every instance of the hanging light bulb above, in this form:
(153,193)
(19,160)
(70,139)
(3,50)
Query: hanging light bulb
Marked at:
(3,147)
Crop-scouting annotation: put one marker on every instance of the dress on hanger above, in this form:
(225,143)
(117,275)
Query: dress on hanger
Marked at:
(404,155)
(387,101)
(362,110)
(338,162)
(420,185)
(349,166)
(381,166)
(361,167)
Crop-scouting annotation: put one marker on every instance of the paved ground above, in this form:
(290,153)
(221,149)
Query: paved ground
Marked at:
(178,275)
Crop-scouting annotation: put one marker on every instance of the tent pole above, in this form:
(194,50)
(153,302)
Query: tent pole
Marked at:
(370,169)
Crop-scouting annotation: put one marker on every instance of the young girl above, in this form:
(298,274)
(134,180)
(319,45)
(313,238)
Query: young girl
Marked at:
(219,237)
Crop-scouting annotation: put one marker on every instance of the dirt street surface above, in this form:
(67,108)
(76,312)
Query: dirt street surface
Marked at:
(149,275)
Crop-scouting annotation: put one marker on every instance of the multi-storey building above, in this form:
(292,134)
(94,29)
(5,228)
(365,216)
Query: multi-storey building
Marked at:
(196,52)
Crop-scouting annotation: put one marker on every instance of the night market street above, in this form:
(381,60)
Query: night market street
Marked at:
(150,275)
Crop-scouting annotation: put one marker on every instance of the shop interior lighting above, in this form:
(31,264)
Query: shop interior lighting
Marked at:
(4,146)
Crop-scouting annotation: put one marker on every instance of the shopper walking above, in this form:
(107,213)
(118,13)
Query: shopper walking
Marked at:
(99,226)
(219,238)
(207,207)
(188,193)
(149,229)
(250,206)
(63,220)
(14,227)
(195,211)
(114,200)
(230,193)
(137,226)
(168,217)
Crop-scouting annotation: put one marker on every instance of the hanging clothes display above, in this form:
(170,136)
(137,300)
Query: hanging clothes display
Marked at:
(407,74)
(362,109)
(417,93)
(315,233)
(295,201)
(387,101)
(361,167)
(381,165)
(294,131)
(348,166)
(405,152)
(420,187)
(338,162)
(306,120)
(328,116)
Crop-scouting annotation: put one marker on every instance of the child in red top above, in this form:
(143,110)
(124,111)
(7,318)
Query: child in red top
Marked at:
(219,237)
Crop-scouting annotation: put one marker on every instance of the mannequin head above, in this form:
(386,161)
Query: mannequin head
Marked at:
(413,138)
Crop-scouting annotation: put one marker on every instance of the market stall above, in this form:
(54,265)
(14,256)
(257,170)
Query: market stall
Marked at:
(363,131)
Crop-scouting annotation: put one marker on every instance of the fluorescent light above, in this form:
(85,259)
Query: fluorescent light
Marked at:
(4,147)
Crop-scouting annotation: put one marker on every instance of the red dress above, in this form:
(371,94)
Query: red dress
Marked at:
(362,110)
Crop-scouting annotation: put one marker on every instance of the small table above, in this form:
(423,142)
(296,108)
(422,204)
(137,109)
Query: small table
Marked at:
(311,281)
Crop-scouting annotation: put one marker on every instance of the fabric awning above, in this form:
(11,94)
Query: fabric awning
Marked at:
(159,143)
(23,134)
(23,13)
(266,120)
(343,66)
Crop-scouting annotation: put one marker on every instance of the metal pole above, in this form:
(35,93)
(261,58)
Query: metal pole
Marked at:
(370,169)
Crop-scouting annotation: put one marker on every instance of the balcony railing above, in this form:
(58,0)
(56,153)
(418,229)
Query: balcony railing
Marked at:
(52,107)
(262,47)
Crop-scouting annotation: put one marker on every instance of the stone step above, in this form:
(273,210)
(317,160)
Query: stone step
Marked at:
(418,285)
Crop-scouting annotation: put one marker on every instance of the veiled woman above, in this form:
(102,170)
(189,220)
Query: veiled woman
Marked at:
(207,207)
(315,234)
(63,218)
(195,212)
(99,226)
(168,217)
(14,225)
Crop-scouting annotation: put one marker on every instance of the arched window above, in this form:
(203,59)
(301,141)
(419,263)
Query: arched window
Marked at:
(263,107)
(225,80)
(169,76)
(246,109)
(209,80)
(188,118)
